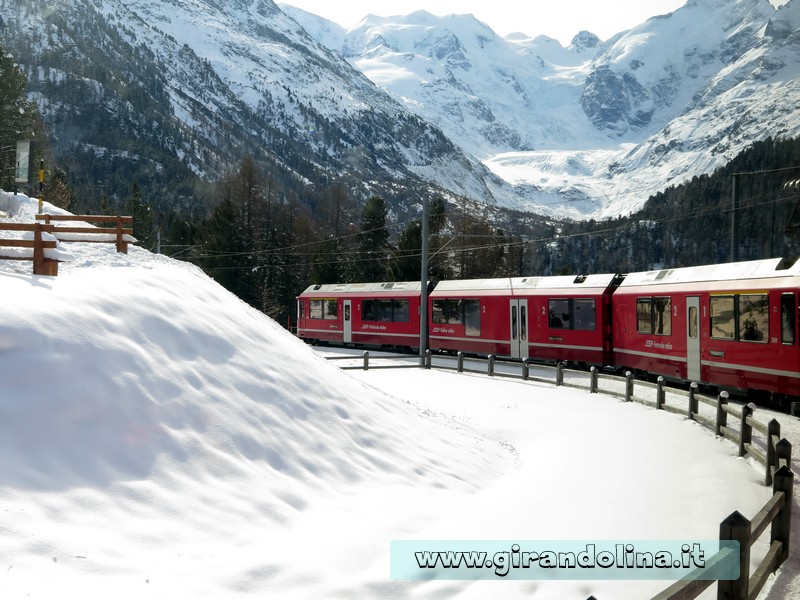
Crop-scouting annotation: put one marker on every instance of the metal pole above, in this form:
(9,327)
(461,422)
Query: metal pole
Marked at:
(423,280)
(734,210)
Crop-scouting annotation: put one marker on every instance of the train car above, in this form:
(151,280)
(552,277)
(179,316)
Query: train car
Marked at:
(733,325)
(561,318)
(369,314)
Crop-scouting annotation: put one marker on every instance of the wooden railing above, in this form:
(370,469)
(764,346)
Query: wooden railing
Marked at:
(772,451)
(42,265)
(122,235)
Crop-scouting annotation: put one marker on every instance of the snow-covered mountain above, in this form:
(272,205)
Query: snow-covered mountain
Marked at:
(150,91)
(208,81)
(592,129)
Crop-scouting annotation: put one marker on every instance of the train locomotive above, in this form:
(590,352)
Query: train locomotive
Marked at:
(728,326)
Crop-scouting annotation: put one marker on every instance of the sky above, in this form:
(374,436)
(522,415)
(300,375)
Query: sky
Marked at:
(558,19)
(161,439)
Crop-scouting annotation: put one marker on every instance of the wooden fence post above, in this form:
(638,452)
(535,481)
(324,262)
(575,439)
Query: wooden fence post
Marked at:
(773,437)
(525,370)
(490,365)
(460,361)
(628,386)
(122,245)
(661,395)
(38,250)
(366,360)
(722,416)
(783,454)
(693,406)
(593,384)
(560,373)
(745,429)
(736,527)
(782,523)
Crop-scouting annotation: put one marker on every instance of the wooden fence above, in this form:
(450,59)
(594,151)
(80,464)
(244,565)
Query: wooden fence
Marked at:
(122,235)
(41,264)
(772,451)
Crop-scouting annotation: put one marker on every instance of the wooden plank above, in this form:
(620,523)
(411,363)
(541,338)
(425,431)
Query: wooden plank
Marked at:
(732,410)
(674,409)
(25,243)
(708,401)
(707,421)
(767,566)
(87,218)
(685,590)
(111,230)
(764,518)
(757,425)
(26,227)
(756,453)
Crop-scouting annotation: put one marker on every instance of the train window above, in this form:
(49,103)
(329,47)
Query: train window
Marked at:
(331,310)
(385,310)
(572,313)
(558,313)
(301,310)
(585,314)
(472,317)
(753,317)
(654,315)
(788,318)
(693,322)
(400,311)
(723,318)
(662,316)
(323,309)
(459,312)
(644,315)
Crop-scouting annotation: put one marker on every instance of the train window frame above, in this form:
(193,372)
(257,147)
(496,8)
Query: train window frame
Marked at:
(753,320)
(385,310)
(457,311)
(788,318)
(323,309)
(654,315)
(562,313)
(744,324)
(301,310)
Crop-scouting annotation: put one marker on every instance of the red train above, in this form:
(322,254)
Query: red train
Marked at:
(732,326)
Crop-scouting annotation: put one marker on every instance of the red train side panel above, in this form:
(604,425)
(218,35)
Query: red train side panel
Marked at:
(548,318)
(731,325)
(372,314)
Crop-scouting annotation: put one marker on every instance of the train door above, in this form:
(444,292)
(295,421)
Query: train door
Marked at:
(693,338)
(347,322)
(519,328)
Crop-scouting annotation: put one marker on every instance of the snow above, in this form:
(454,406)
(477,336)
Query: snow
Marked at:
(159,438)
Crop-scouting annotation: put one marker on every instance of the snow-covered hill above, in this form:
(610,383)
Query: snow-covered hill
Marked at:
(161,439)
(591,130)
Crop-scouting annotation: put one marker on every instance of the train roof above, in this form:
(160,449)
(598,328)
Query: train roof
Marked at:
(387,287)
(754,269)
(529,284)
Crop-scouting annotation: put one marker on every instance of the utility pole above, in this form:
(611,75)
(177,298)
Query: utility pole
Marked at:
(423,280)
(734,210)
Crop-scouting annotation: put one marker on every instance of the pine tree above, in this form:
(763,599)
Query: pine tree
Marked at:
(17,116)
(372,263)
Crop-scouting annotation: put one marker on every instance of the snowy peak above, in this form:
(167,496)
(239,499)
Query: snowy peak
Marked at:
(677,96)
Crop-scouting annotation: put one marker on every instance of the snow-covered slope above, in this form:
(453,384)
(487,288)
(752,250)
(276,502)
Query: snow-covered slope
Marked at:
(161,439)
(593,129)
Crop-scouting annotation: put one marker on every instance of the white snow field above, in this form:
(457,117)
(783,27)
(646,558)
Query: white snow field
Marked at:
(161,439)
